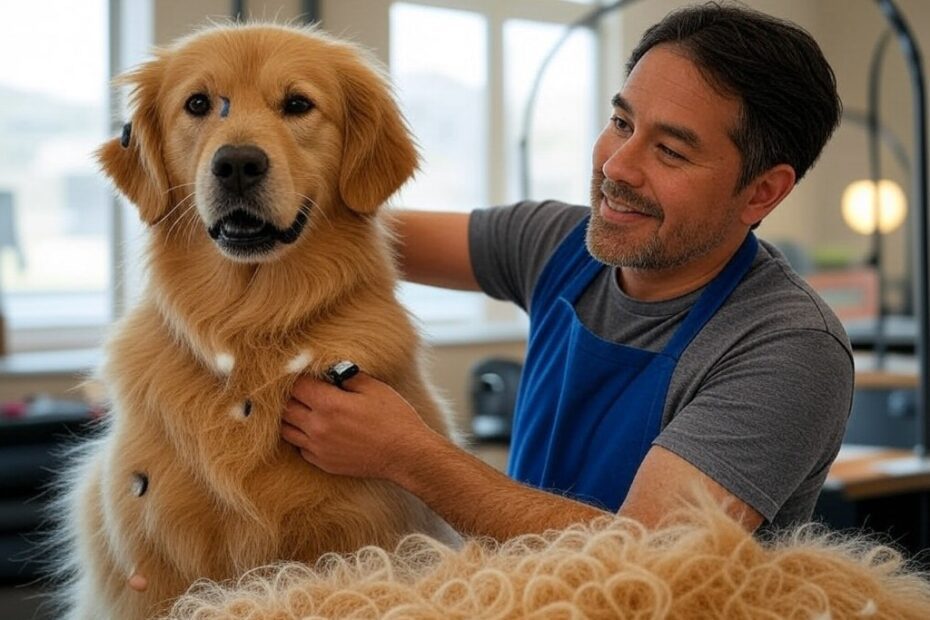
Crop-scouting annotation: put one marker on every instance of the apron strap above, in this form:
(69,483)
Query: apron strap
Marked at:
(568,271)
(714,296)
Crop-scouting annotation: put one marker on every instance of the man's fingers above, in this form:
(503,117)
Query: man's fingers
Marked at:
(295,436)
(307,389)
(312,392)
(296,408)
(297,414)
(360,382)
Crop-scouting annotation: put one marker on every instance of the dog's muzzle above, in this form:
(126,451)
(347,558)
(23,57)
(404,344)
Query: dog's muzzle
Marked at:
(242,233)
(239,172)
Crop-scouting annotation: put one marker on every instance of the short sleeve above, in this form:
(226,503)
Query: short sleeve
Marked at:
(510,246)
(769,416)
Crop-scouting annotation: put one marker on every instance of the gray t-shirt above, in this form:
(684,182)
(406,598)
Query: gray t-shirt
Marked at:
(759,399)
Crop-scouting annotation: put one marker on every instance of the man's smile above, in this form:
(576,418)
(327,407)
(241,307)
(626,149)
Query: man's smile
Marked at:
(620,213)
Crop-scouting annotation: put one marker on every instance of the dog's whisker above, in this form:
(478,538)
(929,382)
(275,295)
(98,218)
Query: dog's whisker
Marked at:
(179,204)
(313,203)
(187,209)
(179,186)
(192,229)
(189,214)
(175,224)
(178,229)
(307,199)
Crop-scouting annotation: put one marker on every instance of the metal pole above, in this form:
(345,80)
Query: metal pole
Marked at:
(880,343)
(589,21)
(310,11)
(921,253)
(238,10)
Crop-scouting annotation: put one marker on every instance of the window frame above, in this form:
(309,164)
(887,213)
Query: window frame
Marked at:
(131,33)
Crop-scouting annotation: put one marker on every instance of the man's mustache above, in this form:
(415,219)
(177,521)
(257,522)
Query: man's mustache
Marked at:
(620,192)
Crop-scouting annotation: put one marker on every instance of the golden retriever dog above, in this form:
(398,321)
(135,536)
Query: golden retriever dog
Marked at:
(258,156)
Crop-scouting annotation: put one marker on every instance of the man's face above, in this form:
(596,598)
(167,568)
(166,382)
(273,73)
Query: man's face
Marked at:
(665,169)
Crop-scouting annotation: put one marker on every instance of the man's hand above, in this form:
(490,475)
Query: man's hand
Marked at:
(368,429)
(363,429)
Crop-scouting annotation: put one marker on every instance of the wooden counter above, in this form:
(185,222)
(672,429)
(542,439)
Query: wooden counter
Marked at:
(863,472)
(885,380)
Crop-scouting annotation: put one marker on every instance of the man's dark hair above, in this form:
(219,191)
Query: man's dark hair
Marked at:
(787,90)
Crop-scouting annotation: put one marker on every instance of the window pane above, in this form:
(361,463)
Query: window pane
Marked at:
(54,205)
(439,67)
(563,118)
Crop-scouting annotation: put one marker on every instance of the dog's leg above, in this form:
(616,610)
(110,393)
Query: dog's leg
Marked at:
(93,546)
(85,555)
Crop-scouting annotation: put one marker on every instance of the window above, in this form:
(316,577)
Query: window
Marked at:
(54,206)
(439,67)
(563,119)
(69,254)
(463,72)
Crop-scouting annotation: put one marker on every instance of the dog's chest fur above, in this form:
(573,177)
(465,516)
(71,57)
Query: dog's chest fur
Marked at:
(204,431)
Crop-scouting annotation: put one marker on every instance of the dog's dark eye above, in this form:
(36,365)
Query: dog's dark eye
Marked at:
(198,104)
(295,105)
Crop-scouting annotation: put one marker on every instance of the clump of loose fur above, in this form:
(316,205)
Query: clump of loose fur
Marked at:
(700,564)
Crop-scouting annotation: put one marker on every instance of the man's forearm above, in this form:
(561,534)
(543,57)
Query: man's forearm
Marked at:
(477,500)
(432,248)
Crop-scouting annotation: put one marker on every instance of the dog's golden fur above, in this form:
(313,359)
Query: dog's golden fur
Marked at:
(199,372)
(702,565)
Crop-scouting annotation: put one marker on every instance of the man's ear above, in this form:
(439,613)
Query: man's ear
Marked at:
(378,153)
(134,162)
(766,191)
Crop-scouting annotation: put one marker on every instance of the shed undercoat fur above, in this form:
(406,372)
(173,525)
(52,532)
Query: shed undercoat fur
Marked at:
(699,564)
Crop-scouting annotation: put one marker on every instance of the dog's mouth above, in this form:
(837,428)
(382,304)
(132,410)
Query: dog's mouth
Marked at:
(242,233)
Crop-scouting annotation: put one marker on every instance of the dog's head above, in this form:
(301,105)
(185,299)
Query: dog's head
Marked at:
(257,126)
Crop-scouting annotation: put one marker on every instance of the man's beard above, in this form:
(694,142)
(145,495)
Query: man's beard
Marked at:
(605,240)
(612,245)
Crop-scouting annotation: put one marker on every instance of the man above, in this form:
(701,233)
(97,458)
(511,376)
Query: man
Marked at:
(667,347)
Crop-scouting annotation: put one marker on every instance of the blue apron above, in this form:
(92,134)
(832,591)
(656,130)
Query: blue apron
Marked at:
(588,409)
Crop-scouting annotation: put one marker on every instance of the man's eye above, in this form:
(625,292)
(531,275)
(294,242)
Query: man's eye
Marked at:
(296,105)
(198,104)
(619,123)
(670,153)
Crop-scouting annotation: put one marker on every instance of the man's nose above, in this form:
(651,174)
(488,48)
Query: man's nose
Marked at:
(239,168)
(624,162)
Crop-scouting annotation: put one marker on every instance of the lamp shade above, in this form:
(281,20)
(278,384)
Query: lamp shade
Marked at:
(859,206)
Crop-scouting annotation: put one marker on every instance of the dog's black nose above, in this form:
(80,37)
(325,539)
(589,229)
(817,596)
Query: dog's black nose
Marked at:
(238,168)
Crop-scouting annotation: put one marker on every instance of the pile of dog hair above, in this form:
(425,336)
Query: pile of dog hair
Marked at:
(702,564)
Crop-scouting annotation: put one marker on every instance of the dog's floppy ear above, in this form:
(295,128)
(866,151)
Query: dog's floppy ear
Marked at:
(134,161)
(378,153)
